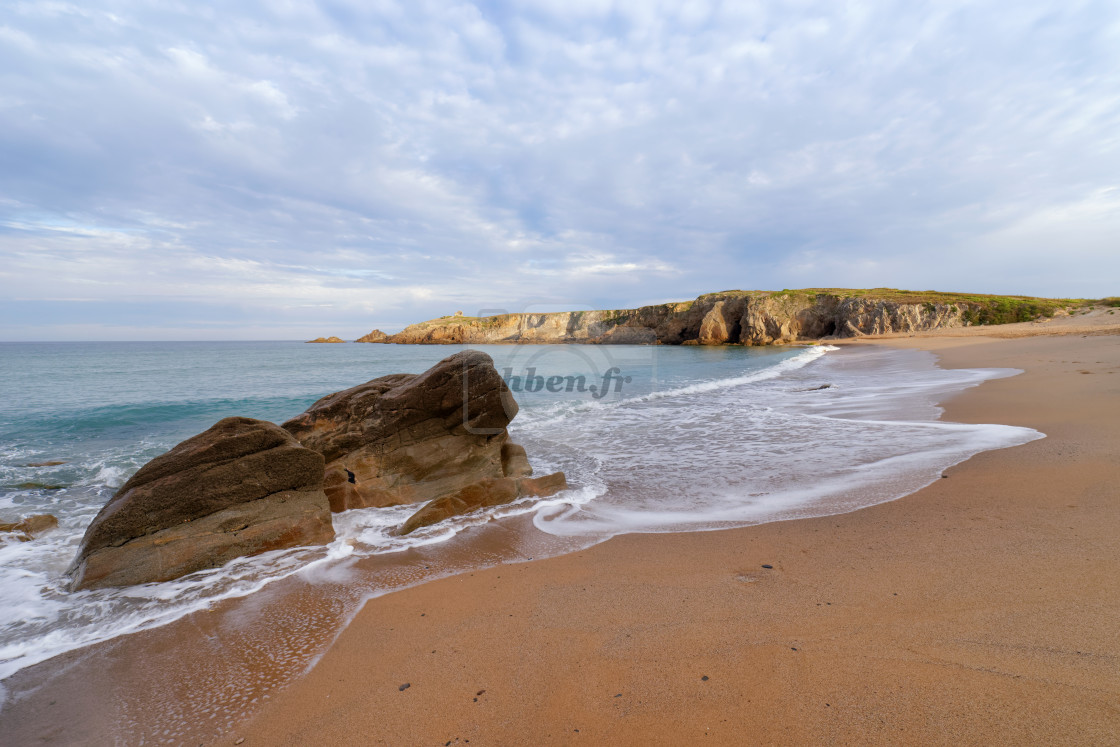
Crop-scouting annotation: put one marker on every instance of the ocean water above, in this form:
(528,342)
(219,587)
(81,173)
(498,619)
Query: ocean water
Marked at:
(652,439)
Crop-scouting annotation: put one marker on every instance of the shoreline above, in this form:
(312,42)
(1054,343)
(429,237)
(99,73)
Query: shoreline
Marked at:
(995,622)
(513,630)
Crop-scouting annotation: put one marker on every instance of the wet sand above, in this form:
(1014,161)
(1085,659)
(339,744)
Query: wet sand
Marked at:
(981,609)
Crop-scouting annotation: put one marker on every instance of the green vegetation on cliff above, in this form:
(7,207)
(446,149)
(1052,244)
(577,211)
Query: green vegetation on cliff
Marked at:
(979,308)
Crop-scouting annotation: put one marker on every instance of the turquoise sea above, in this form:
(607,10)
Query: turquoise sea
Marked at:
(685,438)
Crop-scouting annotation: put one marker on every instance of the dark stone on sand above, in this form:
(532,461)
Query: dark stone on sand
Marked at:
(704,678)
(768,566)
(30,527)
(404,687)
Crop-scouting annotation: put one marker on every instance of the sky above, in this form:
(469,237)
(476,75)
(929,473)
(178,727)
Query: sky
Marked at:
(286,169)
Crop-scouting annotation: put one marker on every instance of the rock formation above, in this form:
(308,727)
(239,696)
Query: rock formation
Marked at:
(407,438)
(29,527)
(374,336)
(248,486)
(493,491)
(728,318)
(327,339)
(242,487)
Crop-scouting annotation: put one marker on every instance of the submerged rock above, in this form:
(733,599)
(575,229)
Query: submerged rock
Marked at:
(405,438)
(241,488)
(484,494)
(30,526)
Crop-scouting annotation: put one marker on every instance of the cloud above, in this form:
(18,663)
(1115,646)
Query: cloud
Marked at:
(340,165)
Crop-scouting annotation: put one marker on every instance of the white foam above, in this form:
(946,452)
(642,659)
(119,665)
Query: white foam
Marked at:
(758,449)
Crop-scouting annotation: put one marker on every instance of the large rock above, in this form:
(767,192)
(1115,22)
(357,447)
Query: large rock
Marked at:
(408,438)
(495,491)
(241,488)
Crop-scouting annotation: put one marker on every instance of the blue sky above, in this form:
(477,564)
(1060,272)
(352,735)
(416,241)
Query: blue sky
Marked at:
(285,169)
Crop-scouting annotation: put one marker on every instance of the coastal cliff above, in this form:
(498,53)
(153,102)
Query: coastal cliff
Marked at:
(739,318)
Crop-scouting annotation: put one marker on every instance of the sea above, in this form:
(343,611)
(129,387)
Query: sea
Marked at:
(651,438)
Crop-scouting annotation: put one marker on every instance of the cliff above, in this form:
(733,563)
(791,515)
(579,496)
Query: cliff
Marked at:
(739,317)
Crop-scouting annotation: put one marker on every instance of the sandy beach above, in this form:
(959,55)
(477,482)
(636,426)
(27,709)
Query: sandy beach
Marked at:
(981,609)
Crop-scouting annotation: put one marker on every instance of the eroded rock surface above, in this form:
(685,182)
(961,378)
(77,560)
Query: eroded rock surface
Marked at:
(240,488)
(406,438)
(728,318)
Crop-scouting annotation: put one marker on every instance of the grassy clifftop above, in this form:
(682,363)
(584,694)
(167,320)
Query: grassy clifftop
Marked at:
(979,308)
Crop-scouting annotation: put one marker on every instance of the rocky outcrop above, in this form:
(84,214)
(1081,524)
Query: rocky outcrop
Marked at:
(729,318)
(327,339)
(406,438)
(241,488)
(29,527)
(494,491)
(374,336)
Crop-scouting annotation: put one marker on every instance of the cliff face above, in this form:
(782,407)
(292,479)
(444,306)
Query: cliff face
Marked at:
(736,317)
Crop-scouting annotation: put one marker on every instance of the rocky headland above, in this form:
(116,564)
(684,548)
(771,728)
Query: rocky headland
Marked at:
(247,486)
(374,336)
(741,318)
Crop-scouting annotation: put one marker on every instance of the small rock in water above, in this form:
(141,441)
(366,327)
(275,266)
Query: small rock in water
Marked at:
(45,464)
(30,527)
(405,686)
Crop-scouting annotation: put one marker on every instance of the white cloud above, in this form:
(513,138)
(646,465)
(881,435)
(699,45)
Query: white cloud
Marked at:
(405,158)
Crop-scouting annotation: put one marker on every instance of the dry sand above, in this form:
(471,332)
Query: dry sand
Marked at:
(982,609)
